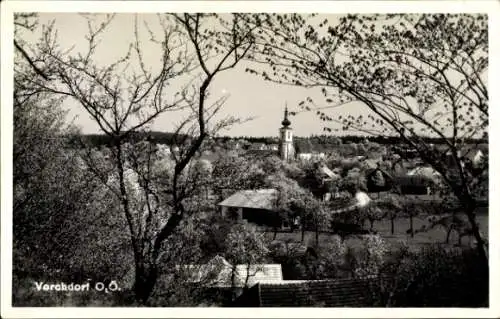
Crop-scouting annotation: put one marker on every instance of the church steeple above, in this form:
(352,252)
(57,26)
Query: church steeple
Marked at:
(286,138)
(286,121)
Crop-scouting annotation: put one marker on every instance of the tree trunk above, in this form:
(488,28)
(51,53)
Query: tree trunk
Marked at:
(470,206)
(411,226)
(146,273)
(392,225)
(371,224)
(303,233)
(275,232)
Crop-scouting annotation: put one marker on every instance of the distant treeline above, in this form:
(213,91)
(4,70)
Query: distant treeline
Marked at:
(105,140)
(168,138)
(331,139)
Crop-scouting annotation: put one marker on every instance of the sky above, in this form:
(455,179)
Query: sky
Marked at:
(250,96)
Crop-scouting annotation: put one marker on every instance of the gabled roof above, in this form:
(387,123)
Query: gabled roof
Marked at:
(325,293)
(257,199)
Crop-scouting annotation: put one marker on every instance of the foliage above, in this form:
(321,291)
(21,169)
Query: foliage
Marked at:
(215,229)
(232,173)
(373,255)
(373,213)
(330,262)
(377,181)
(433,277)
(354,180)
(419,75)
(125,96)
(245,245)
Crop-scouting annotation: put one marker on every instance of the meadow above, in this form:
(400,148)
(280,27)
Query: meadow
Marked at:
(401,225)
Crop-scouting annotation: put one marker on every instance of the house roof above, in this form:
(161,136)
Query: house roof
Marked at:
(478,157)
(344,205)
(328,172)
(424,171)
(326,293)
(257,199)
(257,146)
(292,249)
(218,273)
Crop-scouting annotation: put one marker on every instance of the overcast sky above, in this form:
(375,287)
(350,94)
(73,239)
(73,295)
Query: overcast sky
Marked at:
(249,95)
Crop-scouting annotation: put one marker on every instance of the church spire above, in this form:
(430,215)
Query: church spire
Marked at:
(285,121)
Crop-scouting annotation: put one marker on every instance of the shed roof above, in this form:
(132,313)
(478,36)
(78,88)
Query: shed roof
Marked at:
(257,199)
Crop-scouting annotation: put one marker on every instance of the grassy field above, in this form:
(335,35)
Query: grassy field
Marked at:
(401,225)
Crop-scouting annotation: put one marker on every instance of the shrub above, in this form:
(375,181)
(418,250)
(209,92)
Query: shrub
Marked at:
(433,277)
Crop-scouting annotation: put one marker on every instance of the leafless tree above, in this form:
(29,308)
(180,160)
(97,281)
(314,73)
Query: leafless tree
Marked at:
(128,95)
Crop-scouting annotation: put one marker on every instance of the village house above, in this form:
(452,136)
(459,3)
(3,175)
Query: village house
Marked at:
(254,206)
(262,285)
(219,273)
(308,151)
(303,150)
(378,180)
(257,147)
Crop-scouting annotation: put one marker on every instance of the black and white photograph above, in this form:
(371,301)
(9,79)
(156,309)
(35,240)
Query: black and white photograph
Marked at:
(232,156)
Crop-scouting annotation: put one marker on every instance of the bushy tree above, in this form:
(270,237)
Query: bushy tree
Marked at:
(432,276)
(245,246)
(232,173)
(418,75)
(373,255)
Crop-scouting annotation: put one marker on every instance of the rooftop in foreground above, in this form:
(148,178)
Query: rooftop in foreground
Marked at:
(256,199)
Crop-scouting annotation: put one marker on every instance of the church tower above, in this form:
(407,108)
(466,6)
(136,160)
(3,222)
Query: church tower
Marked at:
(286,139)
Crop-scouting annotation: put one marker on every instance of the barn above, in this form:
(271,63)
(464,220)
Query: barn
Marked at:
(255,206)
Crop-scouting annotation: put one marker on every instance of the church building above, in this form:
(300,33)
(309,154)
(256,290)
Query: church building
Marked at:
(287,151)
(302,149)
